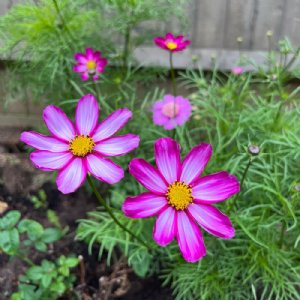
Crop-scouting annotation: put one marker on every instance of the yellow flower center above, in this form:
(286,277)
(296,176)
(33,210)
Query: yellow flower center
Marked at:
(179,195)
(171,45)
(91,65)
(81,145)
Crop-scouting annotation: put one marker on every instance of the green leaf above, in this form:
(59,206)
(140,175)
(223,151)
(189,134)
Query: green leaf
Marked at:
(34,273)
(141,264)
(10,241)
(10,219)
(34,229)
(40,246)
(46,280)
(58,287)
(71,262)
(51,235)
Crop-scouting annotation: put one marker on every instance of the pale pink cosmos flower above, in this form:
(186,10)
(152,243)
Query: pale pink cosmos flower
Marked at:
(76,149)
(237,70)
(171,111)
(89,63)
(172,43)
(180,198)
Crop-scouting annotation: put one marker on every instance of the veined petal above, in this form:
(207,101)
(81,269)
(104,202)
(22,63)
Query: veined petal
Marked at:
(87,113)
(147,176)
(43,142)
(144,205)
(104,169)
(195,162)
(118,145)
(80,68)
(58,123)
(49,161)
(165,227)
(71,177)
(112,124)
(189,238)
(89,53)
(167,157)
(212,220)
(80,58)
(215,187)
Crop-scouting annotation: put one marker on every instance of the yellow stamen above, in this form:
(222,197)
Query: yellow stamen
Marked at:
(91,65)
(179,195)
(171,45)
(81,145)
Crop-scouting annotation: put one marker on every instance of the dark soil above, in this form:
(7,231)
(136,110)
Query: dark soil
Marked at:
(18,182)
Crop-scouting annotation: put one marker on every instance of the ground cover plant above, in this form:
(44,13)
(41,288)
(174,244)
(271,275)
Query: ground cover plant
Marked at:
(200,190)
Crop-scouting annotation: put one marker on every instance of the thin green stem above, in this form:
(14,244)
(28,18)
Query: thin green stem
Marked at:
(233,203)
(109,211)
(173,74)
(26,259)
(126,48)
(283,229)
(277,115)
(292,60)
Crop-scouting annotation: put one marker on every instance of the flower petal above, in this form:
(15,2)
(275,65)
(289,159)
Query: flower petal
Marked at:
(189,238)
(144,205)
(112,124)
(80,58)
(165,227)
(147,176)
(195,162)
(43,142)
(80,68)
(58,123)
(87,113)
(71,177)
(167,157)
(212,220)
(89,53)
(49,161)
(215,187)
(118,145)
(85,76)
(104,169)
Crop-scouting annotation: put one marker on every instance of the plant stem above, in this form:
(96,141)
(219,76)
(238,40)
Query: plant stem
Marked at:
(173,75)
(26,259)
(283,229)
(109,211)
(126,48)
(241,185)
(292,60)
(277,114)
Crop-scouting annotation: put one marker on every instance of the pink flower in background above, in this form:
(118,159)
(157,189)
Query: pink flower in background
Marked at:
(172,43)
(75,149)
(171,111)
(180,198)
(90,63)
(237,70)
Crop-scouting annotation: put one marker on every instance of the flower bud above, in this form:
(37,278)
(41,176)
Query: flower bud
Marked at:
(269,33)
(254,150)
(239,39)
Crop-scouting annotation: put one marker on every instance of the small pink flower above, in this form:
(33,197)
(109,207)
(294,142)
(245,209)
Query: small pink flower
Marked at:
(172,43)
(171,111)
(180,198)
(75,149)
(90,63)
(237,70)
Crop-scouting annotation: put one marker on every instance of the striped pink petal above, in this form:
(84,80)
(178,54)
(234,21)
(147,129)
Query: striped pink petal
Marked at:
(147,176)
(58,123)
(71,177)
(212,220)
(80,68)
(167,157)
(85,76)
(195,162)
(112,124)
(215,187)
(43,142)
(118,145)
(80,58)
(104,169)
(89,53)
(87,113)
(165,227)
(144,205)
(49,161)
(189,238)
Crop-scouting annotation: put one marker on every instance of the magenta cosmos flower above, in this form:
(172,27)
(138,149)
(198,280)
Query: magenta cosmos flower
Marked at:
(237,70)
(76,149)
(171,111)
(172,43)
(90,63)
(180,198)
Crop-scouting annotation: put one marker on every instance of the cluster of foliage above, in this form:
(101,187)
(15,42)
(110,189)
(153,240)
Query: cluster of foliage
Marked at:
(249,119)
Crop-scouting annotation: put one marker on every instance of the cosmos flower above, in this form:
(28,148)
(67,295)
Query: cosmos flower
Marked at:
(172,43)
(90,63)
(180,198)
(171,111)
(75,149)
(237,70)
